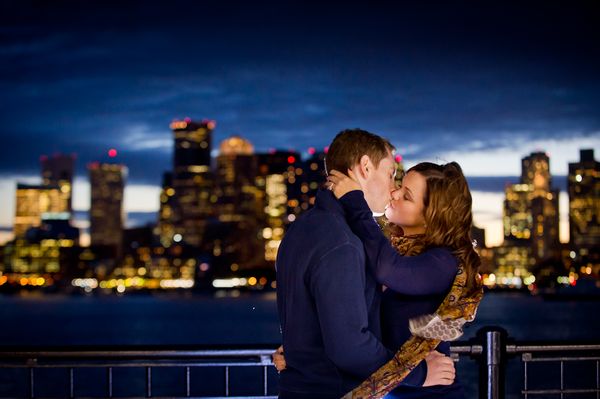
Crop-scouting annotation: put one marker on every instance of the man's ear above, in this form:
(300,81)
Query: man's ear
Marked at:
(364,167)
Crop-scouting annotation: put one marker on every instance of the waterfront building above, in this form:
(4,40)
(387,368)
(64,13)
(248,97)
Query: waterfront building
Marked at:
(37,202)
(45,255)
(58,171)
(584,204)
(314,177)
(235,236)
(167,213)
(531,215)
(514,264)
(106,210)
(193,180)
(280,178)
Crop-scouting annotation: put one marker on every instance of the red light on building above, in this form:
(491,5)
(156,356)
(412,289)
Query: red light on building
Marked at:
(187,119)
(398,158)
(211,125)
(112,153)
(291,159)
(311,150)
(326,150)
(272,150)
(44,158)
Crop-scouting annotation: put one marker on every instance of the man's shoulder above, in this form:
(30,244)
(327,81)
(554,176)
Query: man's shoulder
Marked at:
(317,232)
(323,223)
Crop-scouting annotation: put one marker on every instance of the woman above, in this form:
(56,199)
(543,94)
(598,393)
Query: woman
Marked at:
(431,212)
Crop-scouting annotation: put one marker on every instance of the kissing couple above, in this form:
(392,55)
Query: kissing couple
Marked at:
(367,308)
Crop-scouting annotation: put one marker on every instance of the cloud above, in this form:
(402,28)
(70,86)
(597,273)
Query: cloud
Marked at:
(140,137)
(506,159)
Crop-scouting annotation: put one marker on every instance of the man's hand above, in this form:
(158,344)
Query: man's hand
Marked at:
(342,184)
(279,359)
(440,369)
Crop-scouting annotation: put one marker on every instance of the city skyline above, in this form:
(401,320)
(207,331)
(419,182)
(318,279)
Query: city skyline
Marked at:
(487,204)
(483,85)
(221,221)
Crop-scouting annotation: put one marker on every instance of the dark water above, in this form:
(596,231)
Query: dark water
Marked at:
(167,319)
(251,319)
(173,319)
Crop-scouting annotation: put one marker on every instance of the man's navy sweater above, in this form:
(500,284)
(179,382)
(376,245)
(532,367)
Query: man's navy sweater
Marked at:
(328,305)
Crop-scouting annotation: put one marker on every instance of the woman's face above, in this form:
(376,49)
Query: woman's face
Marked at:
(406,208)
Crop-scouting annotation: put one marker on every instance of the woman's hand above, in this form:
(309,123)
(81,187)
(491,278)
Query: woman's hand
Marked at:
(279,359)
(440,369)
(341,184)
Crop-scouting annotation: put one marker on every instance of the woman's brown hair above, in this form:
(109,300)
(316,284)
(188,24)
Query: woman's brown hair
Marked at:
(448,216)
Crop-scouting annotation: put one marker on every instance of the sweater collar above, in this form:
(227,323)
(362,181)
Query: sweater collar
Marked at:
(327,201)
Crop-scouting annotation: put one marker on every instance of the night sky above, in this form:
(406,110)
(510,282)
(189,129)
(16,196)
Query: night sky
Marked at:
(480,84)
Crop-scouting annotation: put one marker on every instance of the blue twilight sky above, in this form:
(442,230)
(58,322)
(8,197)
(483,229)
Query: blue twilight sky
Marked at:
(480,84)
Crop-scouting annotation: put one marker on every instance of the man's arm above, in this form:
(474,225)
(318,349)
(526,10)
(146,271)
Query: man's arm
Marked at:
(337,283)
(417,376)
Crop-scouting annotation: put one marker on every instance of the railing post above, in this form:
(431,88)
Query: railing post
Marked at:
(493,363)
(31,363)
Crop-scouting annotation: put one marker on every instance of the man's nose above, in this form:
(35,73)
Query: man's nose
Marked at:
(395,194)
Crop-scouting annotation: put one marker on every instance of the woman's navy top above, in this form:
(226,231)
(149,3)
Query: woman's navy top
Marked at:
(416,285)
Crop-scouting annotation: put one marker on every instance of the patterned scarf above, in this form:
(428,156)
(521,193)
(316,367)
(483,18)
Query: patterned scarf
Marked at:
(457,308)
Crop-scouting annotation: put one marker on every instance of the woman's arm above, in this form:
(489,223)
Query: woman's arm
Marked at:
(431,272)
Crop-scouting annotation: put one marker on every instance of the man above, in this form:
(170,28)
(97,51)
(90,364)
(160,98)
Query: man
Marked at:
(328,303)
(327,300)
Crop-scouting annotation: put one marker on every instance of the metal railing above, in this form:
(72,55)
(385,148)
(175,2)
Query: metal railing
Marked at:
(491,350)
(533,354)
(495,351)
(149,360)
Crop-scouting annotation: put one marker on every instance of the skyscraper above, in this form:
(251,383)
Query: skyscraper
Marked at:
(236,238)
(37,202)
(514,260)
(545,220)
(235,180)
(584,203)
(530,221)
(167,211)
(314,177)
(57,170)
(106,211)
(280,178)
(535,171)
(531,208)
(544,205)
(193,181)
(517,219)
